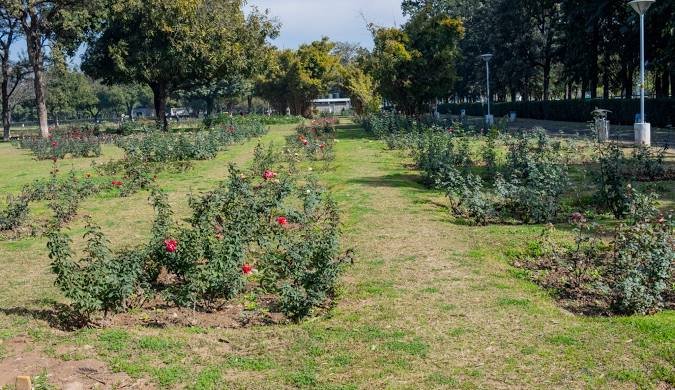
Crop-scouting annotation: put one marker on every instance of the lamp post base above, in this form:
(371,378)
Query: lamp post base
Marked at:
(643,134)
(489,120)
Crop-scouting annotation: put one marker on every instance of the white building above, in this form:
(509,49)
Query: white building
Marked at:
(332,104)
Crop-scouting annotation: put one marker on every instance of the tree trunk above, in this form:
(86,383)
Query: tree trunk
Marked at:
(605,81)
(160,95)
(5,98)
(547,78)
(30,24)
(249,101)
(209,105)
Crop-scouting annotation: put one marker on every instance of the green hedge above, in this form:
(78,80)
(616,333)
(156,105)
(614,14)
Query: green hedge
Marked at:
(660,112)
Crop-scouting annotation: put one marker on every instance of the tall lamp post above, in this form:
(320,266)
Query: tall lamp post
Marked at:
(489,119)
(642,128)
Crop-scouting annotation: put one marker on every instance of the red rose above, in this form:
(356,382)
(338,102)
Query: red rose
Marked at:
(322,146)
(246,269)
(282,221)
(269,175)
(305,142)
(54,144)
(577,218)
(171,245)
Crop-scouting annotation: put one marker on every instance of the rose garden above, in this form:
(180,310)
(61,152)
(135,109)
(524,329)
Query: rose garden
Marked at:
(247,234)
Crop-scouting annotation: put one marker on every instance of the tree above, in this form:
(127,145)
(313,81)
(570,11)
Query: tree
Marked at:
(62,23)
(11,73)
(361,89)
(415,65)
(171,45)
(295,78)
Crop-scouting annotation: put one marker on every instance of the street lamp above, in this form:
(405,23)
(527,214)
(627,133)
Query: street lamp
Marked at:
(489,119)
(642,128)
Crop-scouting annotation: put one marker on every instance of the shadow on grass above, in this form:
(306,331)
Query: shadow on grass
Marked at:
(58,316)
(353,132)
(397,180)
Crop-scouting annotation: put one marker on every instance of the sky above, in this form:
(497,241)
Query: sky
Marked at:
(304,21)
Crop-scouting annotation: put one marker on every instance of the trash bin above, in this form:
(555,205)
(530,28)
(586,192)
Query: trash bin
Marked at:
(601,123)
(602,127)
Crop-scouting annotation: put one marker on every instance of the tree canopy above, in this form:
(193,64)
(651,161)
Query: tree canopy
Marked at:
(176,45)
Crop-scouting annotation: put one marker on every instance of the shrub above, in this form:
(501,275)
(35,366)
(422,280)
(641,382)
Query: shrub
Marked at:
(535,180)
(611,193)
(631,274)
(643,258)
(316,140)
(164,147)
(647,163)
(468,198)
(74,144)
(16,213)
(248,231)
(64,195)
(101,280)
(434,150)
(489,154)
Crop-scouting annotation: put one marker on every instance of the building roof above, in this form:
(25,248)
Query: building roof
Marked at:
(341,100)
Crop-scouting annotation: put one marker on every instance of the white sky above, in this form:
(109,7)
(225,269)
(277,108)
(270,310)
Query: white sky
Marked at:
(304,21)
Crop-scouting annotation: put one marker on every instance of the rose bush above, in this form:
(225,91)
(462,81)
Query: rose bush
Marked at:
(284,227)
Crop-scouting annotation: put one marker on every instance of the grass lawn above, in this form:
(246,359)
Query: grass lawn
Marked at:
(427,304)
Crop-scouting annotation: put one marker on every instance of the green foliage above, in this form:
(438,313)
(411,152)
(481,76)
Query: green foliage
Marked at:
(647,163)
(295,78)
(534,182)
(301,263)
(176,46)
(267,120)
(361,88)
(633,274)
(643,258)
(74,143)
(63,194)
(416,64)
(315,141)
(468,198)
(201,145)
(616,171)
(16,213)
(266,230)
(100,280)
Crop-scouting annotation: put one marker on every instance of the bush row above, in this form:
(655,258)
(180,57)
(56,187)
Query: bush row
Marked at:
(659,112)
(159,146)
(523,178)
(315,140)
(267,120)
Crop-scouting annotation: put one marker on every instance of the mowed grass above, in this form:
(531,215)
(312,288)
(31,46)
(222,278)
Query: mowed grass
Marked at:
(428,303)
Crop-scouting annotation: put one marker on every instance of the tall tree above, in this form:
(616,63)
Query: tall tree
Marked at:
(57,22)
(171,45)
(295,78)
(415,65)
(11,73)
